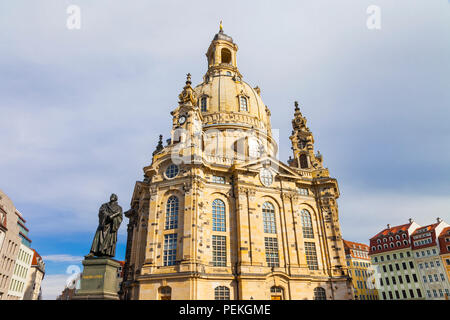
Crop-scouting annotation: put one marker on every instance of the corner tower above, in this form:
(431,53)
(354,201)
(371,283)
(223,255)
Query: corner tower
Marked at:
(218,216)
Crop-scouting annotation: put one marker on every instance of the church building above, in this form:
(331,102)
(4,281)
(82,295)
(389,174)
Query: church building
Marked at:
(218,216)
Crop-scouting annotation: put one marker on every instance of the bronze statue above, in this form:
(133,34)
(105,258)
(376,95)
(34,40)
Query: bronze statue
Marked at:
(105,239)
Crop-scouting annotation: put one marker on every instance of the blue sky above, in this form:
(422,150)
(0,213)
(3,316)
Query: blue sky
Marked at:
(81,110)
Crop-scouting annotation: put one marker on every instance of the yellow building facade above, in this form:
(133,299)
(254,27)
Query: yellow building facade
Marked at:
(360,270)
(218,216)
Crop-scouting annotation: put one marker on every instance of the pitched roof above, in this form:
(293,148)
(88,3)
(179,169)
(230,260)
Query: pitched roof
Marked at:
(385,232)
(355,245)
(430,227)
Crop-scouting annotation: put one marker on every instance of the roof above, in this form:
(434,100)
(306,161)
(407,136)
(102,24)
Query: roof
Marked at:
(444,246)
(430,227)
(355,245)
(396,229)
(36,256)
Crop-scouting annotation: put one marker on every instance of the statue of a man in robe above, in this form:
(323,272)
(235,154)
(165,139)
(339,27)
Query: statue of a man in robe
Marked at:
(105,239)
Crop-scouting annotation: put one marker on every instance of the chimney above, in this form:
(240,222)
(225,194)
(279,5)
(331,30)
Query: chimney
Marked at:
(388,226)
(438,220)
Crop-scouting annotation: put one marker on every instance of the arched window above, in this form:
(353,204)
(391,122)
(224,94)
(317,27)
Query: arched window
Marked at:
(379,247)
(399,243)
(269,218)
(391,239)
(243,105)
(378,241)
(397,237)
(404,235)
(165,293)
(276,293)
(226,55)
(303,161)
(222,293)
(384,240)
(218,213)
(374,248)
(319,294)
(204,104)
(172,213)
(385,246)
(307,225)
(392,245)
(405,242)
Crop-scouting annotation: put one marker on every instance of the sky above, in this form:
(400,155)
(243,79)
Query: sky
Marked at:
(81,109)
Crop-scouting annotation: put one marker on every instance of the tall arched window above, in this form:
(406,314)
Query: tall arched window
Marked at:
(218,213)
(319,294)
(307,225)
(269,218)
(172,213)
(203,104)
(243,104)
(303,161)
(225,55)
(222,293)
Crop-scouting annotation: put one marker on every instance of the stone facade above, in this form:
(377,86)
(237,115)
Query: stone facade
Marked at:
(10,247)
(218,216)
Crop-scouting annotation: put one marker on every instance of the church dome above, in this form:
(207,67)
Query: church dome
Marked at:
(223,97)
(226,101)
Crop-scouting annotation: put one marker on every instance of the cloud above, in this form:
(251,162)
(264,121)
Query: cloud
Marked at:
(62,258)
(81,111)
(53,285)
(362,215)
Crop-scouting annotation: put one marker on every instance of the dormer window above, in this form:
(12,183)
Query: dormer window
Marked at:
(204,104)
(243,104)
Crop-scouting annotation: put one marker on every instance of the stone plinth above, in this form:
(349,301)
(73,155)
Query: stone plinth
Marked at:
(99,280)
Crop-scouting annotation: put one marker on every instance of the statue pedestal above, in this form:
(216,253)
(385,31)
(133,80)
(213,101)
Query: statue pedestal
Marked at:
(98,280)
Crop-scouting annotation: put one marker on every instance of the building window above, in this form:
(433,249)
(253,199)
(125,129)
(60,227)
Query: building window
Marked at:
(172,213)
(320,294)
(225,54)
(172,171)
(271,246)
(218,179)
(222,293)
(204,104)
(165,293)
(419,293)
(303,161)
(269,218)
(218,213)
(219,245)
(243,104)
(302,191)
(311,256)
(170,249)
(266,177)
(276,293)
(307,225)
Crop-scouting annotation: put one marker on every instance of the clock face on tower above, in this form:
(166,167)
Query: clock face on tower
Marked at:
(182,119)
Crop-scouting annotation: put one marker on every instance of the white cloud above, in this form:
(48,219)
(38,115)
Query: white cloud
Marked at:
(62,258)
(81,111)
(363,215)
(53,285)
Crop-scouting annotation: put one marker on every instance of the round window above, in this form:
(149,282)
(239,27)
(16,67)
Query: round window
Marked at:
(266,177)
(172,171)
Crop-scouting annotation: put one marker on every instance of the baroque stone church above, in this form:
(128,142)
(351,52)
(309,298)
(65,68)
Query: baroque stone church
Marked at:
(218,216)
